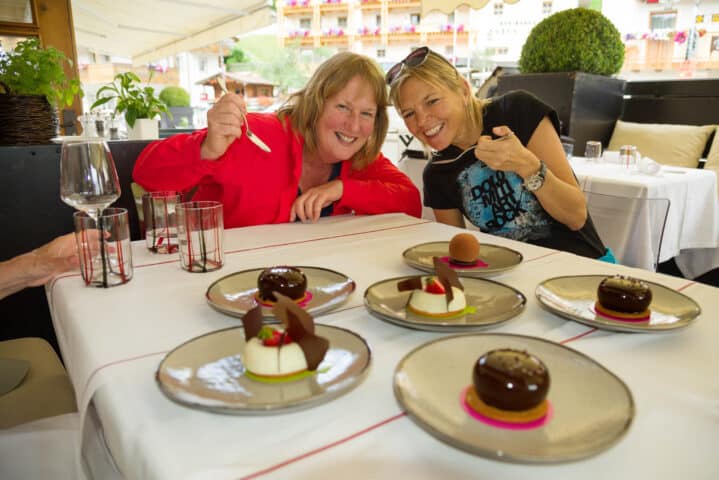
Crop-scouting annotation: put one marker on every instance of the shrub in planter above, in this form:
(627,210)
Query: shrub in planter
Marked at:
(174,96)
(572,40)
(32,84)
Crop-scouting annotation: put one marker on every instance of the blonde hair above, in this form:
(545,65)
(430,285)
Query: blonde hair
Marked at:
(438,72)
(305,106)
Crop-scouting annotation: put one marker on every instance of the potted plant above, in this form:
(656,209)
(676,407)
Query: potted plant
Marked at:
(567,61)
(139,105)
(177,100)
(33,85)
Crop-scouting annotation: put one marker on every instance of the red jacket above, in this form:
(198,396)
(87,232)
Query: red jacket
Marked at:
(256,187)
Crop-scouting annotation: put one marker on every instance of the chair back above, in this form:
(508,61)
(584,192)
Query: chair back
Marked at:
(632,227)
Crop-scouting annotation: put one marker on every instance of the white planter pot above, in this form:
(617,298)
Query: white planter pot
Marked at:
(144,129)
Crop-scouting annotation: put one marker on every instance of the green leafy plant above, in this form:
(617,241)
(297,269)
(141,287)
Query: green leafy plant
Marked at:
(132,99)
(572,40)
(174,96)
(33,70)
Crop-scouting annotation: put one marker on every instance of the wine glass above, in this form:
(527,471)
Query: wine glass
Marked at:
(88,179)
(89,182)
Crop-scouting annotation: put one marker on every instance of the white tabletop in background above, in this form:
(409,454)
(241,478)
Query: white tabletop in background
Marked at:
(113,340)
(692,227)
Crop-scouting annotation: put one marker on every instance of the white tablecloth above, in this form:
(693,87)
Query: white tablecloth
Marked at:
(692,228)
(112,341)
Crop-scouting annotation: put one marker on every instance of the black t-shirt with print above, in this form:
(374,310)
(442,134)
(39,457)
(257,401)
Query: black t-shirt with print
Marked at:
(495,201)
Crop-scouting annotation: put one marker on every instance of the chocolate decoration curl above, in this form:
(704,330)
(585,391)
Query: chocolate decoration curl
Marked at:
(447,277)
(252,323)
(301,328)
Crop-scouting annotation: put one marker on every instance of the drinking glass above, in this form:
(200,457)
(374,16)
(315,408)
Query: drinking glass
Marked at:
(160,220)
(88,179)
(593,151)
(199,232)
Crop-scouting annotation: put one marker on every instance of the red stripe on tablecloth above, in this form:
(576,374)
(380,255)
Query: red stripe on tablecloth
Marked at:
(543,256)
(346,439)
(684,287)
(577,337)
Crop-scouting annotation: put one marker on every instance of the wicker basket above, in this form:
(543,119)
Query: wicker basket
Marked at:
(26,120)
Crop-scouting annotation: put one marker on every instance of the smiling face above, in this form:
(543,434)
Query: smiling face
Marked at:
(435,115)
(347,121)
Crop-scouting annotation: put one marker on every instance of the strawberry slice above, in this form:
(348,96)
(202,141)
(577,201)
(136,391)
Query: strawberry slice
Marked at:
(272,338)
(434,286)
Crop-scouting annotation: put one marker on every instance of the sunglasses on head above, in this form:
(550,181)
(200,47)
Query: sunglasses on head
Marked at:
(415,58)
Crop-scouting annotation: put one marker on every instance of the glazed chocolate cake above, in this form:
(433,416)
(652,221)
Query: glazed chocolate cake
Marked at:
(510,379)
(624,294)
(289,281)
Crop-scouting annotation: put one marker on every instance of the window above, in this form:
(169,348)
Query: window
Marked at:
(448,51)
(547,8)
(450,18)
(498,8)
(305,23)
(663,20)
(342,22)
(414,18)
(381,53)
(378,20)
(16,11)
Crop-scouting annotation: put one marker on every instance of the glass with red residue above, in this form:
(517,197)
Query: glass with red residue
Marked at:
(160,221)
(200,230)
(104,247)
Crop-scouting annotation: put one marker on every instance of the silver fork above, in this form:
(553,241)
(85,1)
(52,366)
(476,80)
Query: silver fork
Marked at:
(253,138)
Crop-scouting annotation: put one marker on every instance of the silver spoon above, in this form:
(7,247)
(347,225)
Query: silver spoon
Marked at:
(253,138)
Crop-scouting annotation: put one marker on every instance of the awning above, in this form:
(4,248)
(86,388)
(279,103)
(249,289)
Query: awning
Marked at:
(147,30)
(449,6)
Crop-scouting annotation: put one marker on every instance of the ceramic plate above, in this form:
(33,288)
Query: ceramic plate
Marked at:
(493,303)
(592,408)
(235,293)
(574,297)
(207,373)
(498,259)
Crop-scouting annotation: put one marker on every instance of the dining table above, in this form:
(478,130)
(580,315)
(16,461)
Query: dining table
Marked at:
(691,231)
(113,341)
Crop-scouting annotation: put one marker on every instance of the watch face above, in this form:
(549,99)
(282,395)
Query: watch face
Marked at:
(534,183)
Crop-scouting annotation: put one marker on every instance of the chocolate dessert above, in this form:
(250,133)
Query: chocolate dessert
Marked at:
(510,379)
(464,249)
(289,281)
(624,294)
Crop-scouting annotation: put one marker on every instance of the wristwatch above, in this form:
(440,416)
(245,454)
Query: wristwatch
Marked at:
(534,182)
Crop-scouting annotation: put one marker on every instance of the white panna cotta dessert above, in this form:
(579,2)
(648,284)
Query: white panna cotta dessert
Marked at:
(273,354)
(431,300)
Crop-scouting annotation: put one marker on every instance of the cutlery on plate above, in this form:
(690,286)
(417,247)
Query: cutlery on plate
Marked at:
(253,138)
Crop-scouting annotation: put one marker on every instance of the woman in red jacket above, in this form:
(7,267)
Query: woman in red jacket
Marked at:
(325,157)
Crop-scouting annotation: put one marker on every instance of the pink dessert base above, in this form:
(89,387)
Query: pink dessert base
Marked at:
(540,422)
(620,319)
(478,264)
(307,299)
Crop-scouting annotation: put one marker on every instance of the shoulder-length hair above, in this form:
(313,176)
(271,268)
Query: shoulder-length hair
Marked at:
(305,106)
(438,72)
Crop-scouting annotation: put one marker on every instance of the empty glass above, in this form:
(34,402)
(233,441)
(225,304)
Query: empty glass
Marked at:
(593,151)
(200,230)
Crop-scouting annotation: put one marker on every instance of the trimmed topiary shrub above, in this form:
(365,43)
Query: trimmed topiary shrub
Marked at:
(174,96)
(573,40)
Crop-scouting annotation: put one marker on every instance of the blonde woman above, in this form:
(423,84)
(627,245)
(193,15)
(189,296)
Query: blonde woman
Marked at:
(325,157)
(499,163)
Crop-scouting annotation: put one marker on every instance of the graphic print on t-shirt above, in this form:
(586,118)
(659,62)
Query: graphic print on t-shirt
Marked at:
(495,202)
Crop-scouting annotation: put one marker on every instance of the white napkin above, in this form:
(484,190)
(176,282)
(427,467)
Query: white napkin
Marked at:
(611,156)
(648,166)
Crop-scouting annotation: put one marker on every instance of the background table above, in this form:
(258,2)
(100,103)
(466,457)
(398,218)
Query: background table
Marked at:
(691,235)
(113,340)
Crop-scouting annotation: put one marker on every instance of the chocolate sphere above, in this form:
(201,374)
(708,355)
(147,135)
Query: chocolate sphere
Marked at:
(464,249)
(624,294)
(510,379)
(289,281)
